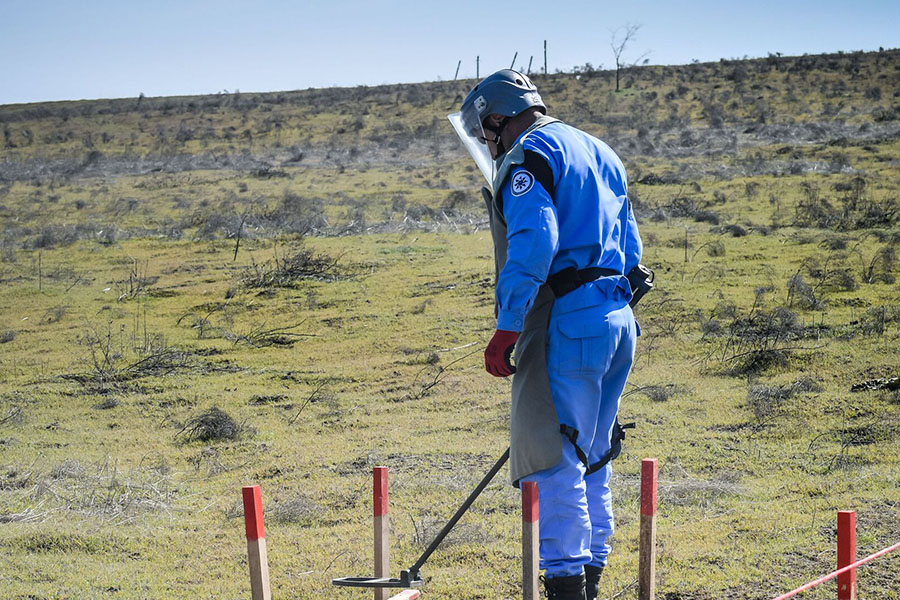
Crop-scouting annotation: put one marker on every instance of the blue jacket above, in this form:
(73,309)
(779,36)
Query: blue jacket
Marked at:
(585,220)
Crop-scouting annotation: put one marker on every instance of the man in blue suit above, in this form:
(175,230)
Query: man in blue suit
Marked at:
(565,238)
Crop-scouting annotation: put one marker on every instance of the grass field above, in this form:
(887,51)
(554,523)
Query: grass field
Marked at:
(288,289)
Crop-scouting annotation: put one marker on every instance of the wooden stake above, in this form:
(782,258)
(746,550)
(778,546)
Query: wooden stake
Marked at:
(647,568)
(530,541)
(458,65)
(545,57)
(512,65)
(256,543)
(846,554)
(382,527)
(406,595)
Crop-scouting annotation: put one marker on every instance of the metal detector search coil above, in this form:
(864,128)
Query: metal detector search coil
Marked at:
(410,577)
(404,581)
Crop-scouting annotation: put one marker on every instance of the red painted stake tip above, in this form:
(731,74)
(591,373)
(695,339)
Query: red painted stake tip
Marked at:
(253,514)
(529,501)
(649,473)
(380,491)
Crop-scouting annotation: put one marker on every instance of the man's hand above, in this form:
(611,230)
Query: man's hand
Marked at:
(498,351)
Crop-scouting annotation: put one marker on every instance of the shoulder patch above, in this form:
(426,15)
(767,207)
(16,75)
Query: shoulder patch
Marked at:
(522,182)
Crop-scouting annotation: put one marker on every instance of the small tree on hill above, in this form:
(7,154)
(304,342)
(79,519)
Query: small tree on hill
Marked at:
(619,40)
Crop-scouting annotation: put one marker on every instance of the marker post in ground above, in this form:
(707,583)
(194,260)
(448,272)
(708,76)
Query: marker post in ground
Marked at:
(382,526)
(256,543)
(530,541)
(846,554)
(647,568)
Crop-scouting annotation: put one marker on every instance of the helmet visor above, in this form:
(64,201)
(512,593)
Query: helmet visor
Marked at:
(468,127)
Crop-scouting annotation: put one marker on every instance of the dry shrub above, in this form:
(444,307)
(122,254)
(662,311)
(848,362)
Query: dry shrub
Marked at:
(877,318)
(12,416)
(109,402)
(801,294)
(213,424)
(758,341)
(698,492)
(101,492)
(299,510)
(285,271)
(660,392)
(766,400)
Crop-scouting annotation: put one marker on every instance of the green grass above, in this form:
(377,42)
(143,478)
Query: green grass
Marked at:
(124,316)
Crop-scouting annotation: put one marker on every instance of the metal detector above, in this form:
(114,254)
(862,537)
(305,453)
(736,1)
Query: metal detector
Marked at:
(411,577)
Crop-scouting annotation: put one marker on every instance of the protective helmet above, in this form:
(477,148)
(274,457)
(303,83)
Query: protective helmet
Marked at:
(506,93)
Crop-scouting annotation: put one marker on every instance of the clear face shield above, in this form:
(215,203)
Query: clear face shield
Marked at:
(468,127)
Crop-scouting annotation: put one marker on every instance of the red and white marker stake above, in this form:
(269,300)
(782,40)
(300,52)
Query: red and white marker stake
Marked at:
(382,534)
(256,543)
(846,554)
(382,526)
(530,541)
(647,568)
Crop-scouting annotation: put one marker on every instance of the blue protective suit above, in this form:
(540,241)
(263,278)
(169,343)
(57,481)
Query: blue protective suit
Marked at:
(585,220)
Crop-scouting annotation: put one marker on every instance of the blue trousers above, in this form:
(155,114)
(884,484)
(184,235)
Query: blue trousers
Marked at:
(589,355)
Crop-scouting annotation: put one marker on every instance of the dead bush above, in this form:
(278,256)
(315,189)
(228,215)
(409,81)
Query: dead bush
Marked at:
(99,491)
(877,318)
(879,266)
(297,214)
(286,271)
(12,416)
(113,356)
(766,400)
(756,341)
(715,248)
(857,210)
(211,425)
(830,273)
(659,392)
(108,403)
(455,200)
(801,294)
(300,511)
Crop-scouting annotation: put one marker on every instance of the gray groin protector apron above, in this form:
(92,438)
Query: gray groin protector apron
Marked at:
(535,443)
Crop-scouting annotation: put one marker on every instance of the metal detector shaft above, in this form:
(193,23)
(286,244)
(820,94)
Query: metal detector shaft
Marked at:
(414,570)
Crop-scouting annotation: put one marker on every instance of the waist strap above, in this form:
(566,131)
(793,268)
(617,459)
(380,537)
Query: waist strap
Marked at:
(570,278)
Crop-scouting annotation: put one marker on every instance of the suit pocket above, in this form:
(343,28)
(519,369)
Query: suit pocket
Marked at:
(582,343)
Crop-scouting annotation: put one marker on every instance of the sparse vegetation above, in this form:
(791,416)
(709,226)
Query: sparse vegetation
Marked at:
(316,265)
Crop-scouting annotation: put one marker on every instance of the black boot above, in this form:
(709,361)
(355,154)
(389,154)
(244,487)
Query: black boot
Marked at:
(565,588)
(592,581)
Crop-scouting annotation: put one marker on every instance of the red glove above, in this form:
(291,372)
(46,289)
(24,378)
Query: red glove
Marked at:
(498,351)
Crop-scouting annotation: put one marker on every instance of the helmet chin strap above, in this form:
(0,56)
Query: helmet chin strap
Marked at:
(498,141)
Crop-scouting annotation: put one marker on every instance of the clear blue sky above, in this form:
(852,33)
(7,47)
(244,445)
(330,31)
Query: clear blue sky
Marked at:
(67,50)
